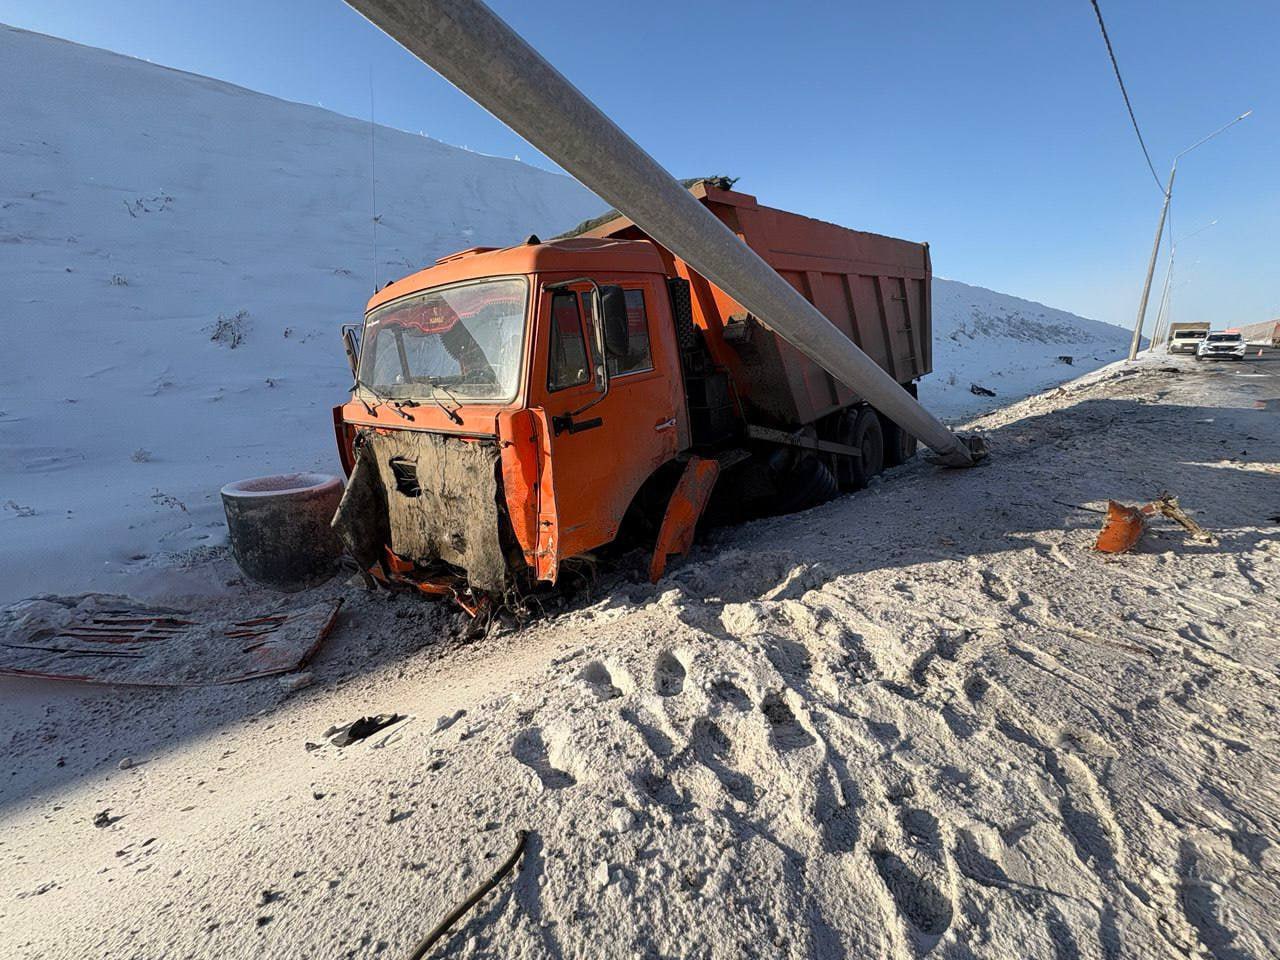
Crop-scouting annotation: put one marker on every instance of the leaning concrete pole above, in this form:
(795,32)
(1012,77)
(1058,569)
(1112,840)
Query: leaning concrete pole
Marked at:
(1151,270)
(472,48)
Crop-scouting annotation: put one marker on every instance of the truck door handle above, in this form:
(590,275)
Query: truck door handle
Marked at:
(665,424)
(565,423)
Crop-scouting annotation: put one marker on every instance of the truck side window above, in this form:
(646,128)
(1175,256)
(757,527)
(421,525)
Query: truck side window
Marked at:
(638,356)
(567,365)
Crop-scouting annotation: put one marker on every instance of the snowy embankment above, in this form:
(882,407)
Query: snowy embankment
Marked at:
(178,256)
(1010,346)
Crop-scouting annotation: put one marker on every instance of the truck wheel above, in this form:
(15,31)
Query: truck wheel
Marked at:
(899,446)
(806,485)
(844,468)
(869,438)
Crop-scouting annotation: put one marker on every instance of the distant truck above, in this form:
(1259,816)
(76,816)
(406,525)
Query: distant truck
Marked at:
(515,409)
(1186,337)
(1265,334)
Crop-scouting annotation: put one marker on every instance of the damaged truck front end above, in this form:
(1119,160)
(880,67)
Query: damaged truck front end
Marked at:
(511,408)
(424,509)
(448,438)
(424,505)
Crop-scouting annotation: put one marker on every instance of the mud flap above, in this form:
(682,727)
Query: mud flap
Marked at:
(683,510)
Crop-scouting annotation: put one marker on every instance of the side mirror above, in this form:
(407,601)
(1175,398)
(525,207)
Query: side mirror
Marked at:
(351,343)
(613,308)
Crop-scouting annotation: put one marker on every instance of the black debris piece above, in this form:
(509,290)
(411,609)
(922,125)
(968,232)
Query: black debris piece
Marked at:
(981,391)
(363,728)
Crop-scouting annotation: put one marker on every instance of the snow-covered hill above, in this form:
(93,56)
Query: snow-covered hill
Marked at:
(176,257)
(1012,346)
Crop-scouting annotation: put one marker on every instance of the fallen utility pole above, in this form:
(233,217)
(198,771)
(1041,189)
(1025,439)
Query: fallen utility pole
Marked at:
(472,48)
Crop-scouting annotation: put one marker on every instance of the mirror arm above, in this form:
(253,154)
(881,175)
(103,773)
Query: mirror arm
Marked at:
(352,348)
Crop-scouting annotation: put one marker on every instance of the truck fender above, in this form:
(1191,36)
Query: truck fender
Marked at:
(684,509)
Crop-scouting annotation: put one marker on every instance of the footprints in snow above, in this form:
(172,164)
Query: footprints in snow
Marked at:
(530,750)
(710,741)
(784,730)
(598,678)
(669,675)
(917,898)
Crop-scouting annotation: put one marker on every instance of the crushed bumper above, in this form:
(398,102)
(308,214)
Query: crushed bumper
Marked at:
(426,500)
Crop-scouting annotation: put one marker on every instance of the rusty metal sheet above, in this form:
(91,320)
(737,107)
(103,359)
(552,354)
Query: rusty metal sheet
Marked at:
(105,639)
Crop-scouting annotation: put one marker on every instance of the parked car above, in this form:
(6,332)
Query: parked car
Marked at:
(1222,345)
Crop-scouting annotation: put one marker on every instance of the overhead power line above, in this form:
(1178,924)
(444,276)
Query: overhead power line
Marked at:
(1125,93)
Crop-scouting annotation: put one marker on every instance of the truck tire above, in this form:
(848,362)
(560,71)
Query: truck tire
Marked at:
(843,426)
(868,436)
(807,484)
(899,446)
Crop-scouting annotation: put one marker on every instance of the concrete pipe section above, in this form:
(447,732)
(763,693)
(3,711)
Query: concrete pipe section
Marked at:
(279,527)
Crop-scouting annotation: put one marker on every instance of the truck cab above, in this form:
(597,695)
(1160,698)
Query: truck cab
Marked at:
(508,405)
(1187,340)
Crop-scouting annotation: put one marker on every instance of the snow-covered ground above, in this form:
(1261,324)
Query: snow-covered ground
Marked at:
(921,720)
(177,257)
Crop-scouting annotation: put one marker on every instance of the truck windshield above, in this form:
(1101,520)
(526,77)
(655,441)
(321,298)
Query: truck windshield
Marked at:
(466,338)
(1188,335)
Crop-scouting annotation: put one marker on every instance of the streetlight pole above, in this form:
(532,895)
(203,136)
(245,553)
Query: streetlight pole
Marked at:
(1161,329)
(1155,247)
(1169,308)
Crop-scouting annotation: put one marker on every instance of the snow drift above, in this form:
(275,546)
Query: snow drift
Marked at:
(178,256)
(1008,345)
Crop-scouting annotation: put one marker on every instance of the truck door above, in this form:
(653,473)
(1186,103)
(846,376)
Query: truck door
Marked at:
(599,456)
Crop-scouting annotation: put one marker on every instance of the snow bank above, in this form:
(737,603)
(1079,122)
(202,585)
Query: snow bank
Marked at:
(1011,346)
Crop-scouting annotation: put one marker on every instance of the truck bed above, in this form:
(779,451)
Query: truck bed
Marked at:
(875,289)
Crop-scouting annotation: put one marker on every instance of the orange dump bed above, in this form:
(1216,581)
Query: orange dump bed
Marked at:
(874,288)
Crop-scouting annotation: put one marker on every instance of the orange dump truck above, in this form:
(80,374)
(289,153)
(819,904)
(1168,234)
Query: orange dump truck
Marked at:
(516,408)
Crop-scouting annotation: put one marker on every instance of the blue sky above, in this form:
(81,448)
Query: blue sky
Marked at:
(993,130)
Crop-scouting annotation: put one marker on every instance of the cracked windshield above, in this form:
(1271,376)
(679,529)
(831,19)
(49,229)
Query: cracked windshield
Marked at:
(464,339)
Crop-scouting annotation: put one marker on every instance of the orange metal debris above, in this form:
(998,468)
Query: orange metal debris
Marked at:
(1125,524)
(1123,528)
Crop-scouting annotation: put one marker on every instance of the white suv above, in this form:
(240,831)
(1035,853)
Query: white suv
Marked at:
(1221,345)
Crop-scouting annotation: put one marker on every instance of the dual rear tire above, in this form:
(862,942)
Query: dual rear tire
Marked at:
(815,478)
(861,428)
(883,444)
